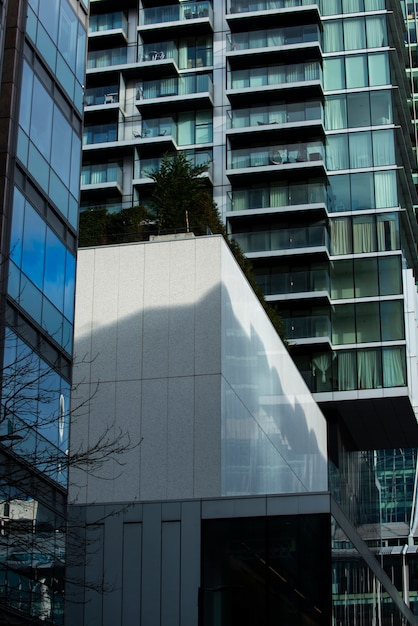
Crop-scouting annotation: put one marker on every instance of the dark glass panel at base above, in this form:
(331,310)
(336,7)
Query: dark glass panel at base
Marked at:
(264,571)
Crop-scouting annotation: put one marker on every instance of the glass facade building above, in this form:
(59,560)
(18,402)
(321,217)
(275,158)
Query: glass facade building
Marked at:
(304,111)
(41,98)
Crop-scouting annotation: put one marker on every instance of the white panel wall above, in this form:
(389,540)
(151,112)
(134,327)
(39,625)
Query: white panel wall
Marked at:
(184,357)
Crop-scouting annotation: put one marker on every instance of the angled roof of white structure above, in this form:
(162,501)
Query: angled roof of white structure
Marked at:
(186,359)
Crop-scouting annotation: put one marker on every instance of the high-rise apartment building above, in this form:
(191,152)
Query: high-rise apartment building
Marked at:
(301,111)
(43,48)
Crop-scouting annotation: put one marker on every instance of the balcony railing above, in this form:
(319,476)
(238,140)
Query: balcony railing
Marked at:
(184,85)
(160,127)
(283,113)
(307,326)
(258,77)
(107,58)
(266,5)
(101,95)
(301,152)
(143,167)
(108,21)
(158,52)
(276,196)
(102,133)
(175,13)
(294,282)
(291,35)
(99,174)
(283,239)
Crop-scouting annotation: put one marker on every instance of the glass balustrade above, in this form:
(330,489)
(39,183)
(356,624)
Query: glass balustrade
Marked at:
(307,326)
(267,5)
(277,195)
(147,129)
(177,86)
(98,174)
(143,167)
(100,133)
(108,21)
(301,152)
(258,77)
(106,58)
(284,239)
(294,282)
(158,52)
(175,13)
(281,113)
(101,95)
(274,37)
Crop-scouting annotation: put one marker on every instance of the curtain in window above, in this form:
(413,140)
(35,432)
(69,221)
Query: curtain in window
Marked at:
(185,129)
(311,71)
(376,32)
(169,86)
(278,195)
(333,36)
(183,56)
(354,34)
(341,236)
(386,235)
(98,174)
(393,367)
(337,156)
(182,86)
(360,150)
(363,237)
(335,113)
(383,148)
(275,37)
(240,200)
(385,189)
(368,375)
(277,75)
(346,371)
(352,6)
(321,363)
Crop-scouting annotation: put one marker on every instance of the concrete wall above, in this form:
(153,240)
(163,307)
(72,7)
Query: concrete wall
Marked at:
(178,351)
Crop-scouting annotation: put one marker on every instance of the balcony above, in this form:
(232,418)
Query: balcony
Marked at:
(193,17)
(101,176)
(277,197)
(271,41)
(299,117)
(295,283)
(266,5)
(98,96)
(285,240)
(252,83)
(100,59)
(303,158)
(159,54)
(190,87)
(100,133)
(311,327)
(143,167)
(245,14)
(109,25)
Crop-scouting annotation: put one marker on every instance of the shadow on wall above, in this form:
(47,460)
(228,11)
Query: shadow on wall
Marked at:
(221,410)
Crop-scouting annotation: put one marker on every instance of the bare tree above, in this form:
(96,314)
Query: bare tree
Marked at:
(34,466)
